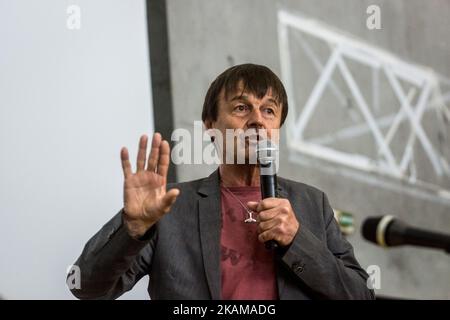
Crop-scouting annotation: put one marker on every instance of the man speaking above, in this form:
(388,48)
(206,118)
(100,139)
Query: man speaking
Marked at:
(207,239)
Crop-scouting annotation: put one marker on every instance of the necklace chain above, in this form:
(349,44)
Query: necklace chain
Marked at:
(250,213)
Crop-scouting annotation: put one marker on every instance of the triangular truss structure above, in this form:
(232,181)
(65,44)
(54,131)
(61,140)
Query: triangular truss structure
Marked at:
(429,90)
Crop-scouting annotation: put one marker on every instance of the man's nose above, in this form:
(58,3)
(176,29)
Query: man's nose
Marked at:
(256,119)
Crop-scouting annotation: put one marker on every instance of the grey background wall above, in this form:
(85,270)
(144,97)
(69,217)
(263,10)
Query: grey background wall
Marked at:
(69,100)
(206,37)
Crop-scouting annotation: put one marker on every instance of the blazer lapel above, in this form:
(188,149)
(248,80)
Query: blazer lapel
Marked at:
(210,223)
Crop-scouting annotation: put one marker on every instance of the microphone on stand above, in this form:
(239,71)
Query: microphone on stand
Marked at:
(387,231)
(267,155)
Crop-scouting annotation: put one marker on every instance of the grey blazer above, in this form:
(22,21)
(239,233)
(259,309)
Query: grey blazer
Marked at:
(182,251)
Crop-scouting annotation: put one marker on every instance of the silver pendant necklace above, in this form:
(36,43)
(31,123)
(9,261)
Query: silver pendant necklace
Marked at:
(250,213)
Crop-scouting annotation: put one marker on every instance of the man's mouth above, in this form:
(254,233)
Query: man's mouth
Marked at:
(253,138)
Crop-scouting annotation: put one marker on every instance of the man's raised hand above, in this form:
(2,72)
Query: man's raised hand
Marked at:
(145,196)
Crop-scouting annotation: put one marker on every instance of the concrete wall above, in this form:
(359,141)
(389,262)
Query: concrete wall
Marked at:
(206,37)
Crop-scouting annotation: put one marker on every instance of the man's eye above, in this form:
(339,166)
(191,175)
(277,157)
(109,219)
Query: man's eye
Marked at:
(241,107)
(270,111)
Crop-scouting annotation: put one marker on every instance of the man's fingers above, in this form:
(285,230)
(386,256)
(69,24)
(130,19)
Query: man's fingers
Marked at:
(267,204)
(164,159)
(268,235)
(264,204)
(268,214)
(142,153)
(125,159)
(268,224)
(154,153)
(169,199)
(266,209)
(252,205)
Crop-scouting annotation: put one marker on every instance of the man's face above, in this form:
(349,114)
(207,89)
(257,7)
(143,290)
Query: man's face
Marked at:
(244,111)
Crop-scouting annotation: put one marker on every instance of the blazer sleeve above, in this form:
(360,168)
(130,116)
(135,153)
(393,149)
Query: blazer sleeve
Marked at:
(329,269)
(112,262)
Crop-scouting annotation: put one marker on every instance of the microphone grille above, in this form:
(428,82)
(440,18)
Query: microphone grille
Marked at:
(266,151)
(369,228)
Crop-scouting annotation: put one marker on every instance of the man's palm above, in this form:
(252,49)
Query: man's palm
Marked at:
(145,196)
(143,190)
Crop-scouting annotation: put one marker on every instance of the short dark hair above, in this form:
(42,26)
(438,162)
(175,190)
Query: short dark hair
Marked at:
(256,79)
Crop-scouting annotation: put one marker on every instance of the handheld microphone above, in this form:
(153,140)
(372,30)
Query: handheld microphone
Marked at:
(266,155)
(387,231)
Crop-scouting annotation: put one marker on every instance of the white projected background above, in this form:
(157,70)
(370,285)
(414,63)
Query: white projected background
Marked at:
(69,99)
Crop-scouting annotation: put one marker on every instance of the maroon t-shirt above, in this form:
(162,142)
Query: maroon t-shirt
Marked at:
(248,268)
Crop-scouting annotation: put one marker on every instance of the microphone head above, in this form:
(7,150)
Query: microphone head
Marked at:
(266,151)
(374,229)
(369,228)
(267,156)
